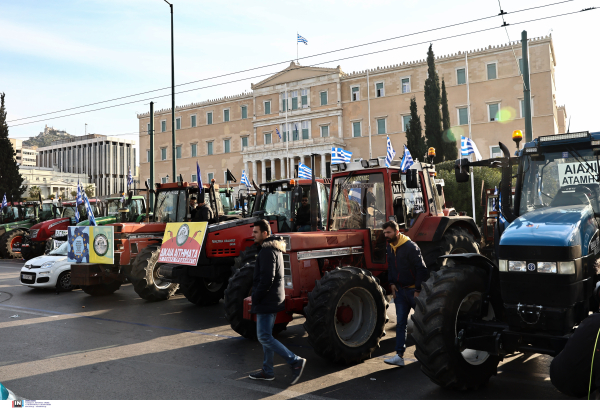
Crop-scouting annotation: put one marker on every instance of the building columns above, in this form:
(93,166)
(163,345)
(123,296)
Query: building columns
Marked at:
(323,165)
(254,171)
(263,169)
(292,167)
(246,170)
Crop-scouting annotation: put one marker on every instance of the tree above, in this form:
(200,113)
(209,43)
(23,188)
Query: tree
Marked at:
(11,181)
(90,190)
(414,133)
(73,194)
(449,140)
(34,192)
(433,121)
(51,197)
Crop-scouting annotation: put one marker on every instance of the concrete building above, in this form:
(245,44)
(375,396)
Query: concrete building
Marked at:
(321,108)
(24,156)
(105,160)
(50,181)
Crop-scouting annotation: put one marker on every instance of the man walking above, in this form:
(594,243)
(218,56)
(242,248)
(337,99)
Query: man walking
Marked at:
(268,296)
(406,271)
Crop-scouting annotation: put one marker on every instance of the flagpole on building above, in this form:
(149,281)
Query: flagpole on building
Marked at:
(470,135)
(287,136)
(369,115)
(297,59)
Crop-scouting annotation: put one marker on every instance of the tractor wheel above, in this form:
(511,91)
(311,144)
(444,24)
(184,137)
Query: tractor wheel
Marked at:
(102,289)
(63,283)
(454,241)
(204,292)
(346,315)
(146,282)
(452,295)
(238,289)
(249,255)
(8,242)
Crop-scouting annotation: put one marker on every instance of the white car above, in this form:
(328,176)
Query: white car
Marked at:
(49,271)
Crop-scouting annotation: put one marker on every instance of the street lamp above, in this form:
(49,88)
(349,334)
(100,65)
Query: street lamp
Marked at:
(173,94)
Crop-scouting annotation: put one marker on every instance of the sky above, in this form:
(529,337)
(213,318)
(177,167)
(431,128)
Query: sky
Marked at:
(64,54)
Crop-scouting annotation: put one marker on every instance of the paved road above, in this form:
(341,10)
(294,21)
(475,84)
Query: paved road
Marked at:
(74,346)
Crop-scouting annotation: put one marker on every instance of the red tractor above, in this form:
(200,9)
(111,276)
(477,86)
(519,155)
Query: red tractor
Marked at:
(337,278)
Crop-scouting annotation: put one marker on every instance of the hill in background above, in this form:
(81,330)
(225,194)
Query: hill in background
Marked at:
(46,137)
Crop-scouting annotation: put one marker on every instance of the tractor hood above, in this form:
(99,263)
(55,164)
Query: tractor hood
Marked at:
(44,230)
(572,228)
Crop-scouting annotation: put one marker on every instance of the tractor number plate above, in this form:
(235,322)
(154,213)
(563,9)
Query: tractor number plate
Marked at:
(61,233)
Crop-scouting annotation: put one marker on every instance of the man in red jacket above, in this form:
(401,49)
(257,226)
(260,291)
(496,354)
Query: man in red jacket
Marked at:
(406,271)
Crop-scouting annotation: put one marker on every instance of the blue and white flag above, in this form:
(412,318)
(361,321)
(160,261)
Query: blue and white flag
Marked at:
(407,160)
(78,202)
(467,147)
(390,153)
(89,209)
(304,172)
(278,134)
(4,203)
(199,177)
(129,179)
(245,180)
(339,155)
(302,40)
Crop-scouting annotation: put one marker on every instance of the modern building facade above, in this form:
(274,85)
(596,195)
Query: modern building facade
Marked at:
(105,160)
(51,182)
(23,155)
(315,109)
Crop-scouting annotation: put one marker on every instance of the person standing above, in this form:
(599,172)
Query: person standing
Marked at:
(303,216)
(268,297)
(406,271)
(192,209)
(203,211)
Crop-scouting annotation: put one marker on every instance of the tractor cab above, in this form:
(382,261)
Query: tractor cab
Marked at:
(126,209)
(68,210)
(10,213)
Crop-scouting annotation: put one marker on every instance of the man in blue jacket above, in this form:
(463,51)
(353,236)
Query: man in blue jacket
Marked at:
(406,271)
(268,297)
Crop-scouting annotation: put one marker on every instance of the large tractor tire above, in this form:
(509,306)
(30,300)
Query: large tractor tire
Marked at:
(454,241)
(346,315)
(102,289)
(249,255)
(450,296)
(239,288)
(146,282)
(8,242)
(204,292)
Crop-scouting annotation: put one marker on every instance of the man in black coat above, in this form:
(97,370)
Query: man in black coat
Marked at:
(203,211)
(303,216)
(268,298)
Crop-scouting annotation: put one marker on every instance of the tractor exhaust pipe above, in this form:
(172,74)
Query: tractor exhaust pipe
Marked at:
(314,193)
(506,186)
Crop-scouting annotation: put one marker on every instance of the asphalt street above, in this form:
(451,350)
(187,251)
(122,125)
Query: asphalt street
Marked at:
(74,346)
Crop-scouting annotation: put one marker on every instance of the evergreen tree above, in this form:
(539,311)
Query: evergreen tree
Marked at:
(449,140)
(433,120)
(414,133)
(11,182)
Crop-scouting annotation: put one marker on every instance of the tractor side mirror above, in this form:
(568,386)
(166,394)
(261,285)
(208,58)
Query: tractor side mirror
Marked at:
(412,178)
(5,210)
(130,198)
(461,170)
(439,189)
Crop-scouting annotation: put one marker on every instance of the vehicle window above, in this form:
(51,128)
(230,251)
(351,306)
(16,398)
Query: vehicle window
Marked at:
(113,207)
(29,212)
(323,204)
(277,203)
(358,202)
(69,212)
(167,206)
(61,250)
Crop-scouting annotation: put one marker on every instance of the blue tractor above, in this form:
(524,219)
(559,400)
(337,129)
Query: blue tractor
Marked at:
(541,281)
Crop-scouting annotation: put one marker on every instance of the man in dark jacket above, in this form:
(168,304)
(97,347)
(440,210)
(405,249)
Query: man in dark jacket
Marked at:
(406,271)
(203,211)
(268,297)
(303,216)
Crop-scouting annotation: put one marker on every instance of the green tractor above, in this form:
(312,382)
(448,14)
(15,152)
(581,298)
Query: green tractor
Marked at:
(120,209)
(226,194)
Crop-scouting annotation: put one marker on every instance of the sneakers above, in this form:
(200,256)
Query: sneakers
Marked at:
(297,369)
(261,375)
(396,360)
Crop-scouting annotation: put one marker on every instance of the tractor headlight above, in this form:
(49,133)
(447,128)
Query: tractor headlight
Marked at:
(503,265)
(517,266)
(546,267)
(566,268)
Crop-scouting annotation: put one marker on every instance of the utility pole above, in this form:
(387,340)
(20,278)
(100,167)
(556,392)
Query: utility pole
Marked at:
(151,186)
(173,97)
(526,88)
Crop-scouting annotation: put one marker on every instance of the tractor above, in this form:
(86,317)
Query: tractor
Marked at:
(337,278)
(541,282)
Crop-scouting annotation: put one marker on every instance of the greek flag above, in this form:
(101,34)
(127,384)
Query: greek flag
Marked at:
(278,134)
(89,209)
(407,160)
(302,40)
(495,200)
(304,172)
(245,179)
(129,179)
(199,177)
(467,147)
(390,153)
(339,155)
(4,203)
(78,202)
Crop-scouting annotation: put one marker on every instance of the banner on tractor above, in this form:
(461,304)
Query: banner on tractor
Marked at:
(91,245)
(182,243)
(572,174)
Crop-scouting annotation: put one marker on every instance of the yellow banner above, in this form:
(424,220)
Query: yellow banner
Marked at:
(182,243)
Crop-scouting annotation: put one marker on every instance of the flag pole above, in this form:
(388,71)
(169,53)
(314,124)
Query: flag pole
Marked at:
(297,59)
(473,192)
(287,136)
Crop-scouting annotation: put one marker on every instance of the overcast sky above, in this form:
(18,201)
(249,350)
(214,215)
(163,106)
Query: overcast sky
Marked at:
(62,54)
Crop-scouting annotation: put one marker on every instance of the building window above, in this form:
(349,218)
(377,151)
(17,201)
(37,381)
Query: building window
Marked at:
(405,85)
(244,112)
(267,107)
(325,131)
(194,149)
(163,153)
(323,98)
(209,118)
(209,148)
(405,120)
(379,92)
(193,120)
(294,100)
(461,78)
(355,90)
(177,123)
(267,138)
(304,94)
(495,152)
(493,109)
(163,125)
(463,116)
(226,145)
(381,126)
(295,135)
(356,129)
(163,180)
(284,102)
(520,66)
(178,152)
(194,178)
(491,71)
(522,106)
(284,133)
(148,156)
(225,115)
(210,176)
(305,134)
(244,142)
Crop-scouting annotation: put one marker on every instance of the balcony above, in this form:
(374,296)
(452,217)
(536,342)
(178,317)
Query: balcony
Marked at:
(318,141)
